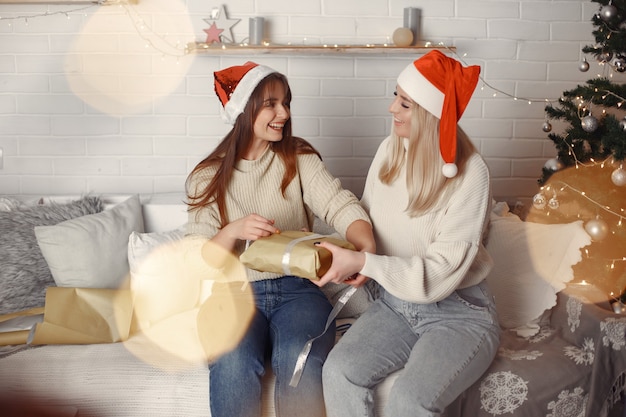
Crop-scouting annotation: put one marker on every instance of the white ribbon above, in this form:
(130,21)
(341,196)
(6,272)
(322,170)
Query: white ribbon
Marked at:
(304,354)
(287,254)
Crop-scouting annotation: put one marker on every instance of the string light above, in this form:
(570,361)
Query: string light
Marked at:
(49,13)
(563,186)
(151,38)
(497,90)
(168,48)
(544,100)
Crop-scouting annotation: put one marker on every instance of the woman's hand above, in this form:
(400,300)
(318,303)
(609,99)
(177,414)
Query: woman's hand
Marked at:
(345,267)
(251,227)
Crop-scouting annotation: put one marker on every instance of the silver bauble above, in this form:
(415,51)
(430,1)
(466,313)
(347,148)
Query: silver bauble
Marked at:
(589,123)
(622,124)
(620,65)
(605,57)
(539,201)
(619,177)
(584,65)
(547,127)
(597,229)
(553,203)
(553,164)
(608,12)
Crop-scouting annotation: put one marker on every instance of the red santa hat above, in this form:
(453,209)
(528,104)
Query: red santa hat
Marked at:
(234,85)
(444,87)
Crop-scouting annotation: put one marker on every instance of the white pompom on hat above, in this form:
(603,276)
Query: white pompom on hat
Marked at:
(443,87)
(234,86)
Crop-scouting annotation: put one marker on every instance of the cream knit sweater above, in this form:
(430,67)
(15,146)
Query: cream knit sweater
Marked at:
(424,259)
(255,188)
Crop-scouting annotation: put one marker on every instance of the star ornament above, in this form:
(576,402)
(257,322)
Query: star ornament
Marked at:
(213,34)
(222,21)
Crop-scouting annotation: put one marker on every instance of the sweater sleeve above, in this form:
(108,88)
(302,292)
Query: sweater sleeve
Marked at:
(204,222)
(324,195)
(453,257)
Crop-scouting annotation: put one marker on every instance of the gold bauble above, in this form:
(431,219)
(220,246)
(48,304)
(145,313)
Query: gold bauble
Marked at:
(402,37)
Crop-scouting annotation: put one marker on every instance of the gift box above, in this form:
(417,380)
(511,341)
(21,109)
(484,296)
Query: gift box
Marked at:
(292,253)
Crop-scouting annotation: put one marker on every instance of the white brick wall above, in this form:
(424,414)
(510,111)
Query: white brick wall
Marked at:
(94,100)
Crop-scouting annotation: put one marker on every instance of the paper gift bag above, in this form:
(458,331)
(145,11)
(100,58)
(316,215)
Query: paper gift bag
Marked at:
(292,253)
(84,316)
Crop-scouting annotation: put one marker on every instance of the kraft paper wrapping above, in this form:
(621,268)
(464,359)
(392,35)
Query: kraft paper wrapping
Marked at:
(292,253)
(83,316)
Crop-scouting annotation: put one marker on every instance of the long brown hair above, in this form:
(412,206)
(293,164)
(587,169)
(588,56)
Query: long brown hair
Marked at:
(425,183)
(234,145)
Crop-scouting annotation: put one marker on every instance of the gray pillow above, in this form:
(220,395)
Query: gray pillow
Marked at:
(92,251)
(24,273)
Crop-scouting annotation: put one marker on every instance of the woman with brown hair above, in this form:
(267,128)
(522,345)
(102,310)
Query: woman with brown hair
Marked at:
(259,180)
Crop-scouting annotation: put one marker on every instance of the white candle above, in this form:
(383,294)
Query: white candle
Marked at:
(411,21)
(256,30)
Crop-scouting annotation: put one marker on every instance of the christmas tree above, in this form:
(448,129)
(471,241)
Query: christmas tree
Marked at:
(587,179)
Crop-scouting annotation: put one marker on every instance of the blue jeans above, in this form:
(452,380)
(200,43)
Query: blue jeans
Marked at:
(289,312)
(443,347)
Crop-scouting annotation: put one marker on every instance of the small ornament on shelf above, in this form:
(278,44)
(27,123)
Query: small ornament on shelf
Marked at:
(220,26)
(213,34)
(403,37)
(411,21)
(256,30)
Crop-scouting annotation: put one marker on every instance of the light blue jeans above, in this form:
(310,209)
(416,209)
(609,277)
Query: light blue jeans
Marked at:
(289,312)
(444,347)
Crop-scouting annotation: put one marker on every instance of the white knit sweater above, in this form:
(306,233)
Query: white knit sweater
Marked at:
(255,188)
(424,259)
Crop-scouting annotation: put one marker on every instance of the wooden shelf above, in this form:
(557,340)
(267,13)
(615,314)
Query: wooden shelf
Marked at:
(234,49)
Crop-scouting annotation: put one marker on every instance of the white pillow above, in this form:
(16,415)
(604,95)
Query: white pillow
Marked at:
(532,263)
(141,244)
(91,251)
(163,281)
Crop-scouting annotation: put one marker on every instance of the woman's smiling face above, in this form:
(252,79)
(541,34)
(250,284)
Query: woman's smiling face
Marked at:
(401,108)
(274,113)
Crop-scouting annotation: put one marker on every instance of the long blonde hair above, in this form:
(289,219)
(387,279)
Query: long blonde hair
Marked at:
(425,182)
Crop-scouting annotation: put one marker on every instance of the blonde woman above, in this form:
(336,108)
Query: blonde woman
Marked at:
(428,196)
